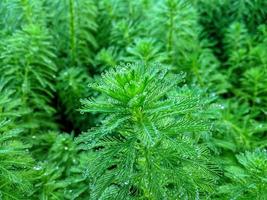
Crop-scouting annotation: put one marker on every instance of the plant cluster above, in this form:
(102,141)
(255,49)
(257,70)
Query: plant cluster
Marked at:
(122,99)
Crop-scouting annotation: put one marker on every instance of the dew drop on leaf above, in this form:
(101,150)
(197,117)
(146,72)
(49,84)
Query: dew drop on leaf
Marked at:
(37,167)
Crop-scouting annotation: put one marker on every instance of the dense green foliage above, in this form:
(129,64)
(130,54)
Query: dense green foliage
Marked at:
(123,99)
(141,149)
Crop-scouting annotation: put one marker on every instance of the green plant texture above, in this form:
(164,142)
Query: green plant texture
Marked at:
(133,100)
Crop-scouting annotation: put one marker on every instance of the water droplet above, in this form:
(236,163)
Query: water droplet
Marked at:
(181,194)
(66,148)
(221,106)
(37,167)
(86,173)
(258,100)
(197,195)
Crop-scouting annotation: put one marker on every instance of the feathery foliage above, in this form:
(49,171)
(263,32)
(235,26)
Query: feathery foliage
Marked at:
(60,169)
(159,134)
(73,84)
(248,181)
(178,30)
(15,160)
(27,63)
(73,26)
(142,149)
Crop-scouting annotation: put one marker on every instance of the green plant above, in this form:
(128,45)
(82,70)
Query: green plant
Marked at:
(178,31)
(142,149)
(237,130)
(16,163)
(107,58)
(155,137)
(73,85)
(61,169)
(248,180)
(73,28)
(50,183)
(27,62)
(145,50)
(237,44)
